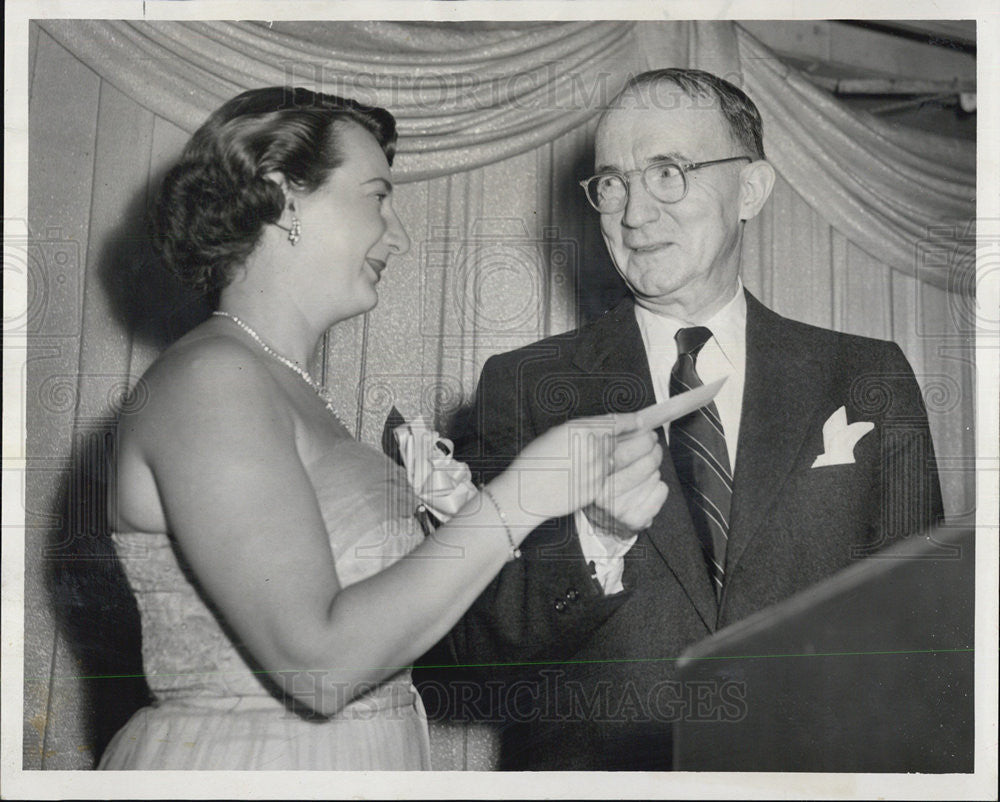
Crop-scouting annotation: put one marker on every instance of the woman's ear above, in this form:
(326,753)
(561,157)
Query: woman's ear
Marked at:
(279,178)
(756,183)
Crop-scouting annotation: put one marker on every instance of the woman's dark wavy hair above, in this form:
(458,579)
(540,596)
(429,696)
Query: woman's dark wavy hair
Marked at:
(214,203)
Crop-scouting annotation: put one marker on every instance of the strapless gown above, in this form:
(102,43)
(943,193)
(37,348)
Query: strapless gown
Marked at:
(214,708)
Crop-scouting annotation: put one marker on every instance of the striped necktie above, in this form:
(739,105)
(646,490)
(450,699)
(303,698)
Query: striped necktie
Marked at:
(698,449)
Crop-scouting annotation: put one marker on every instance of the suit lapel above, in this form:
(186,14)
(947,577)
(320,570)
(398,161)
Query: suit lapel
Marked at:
(613,345)
(781,396)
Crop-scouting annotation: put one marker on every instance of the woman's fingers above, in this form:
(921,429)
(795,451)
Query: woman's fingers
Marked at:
(627,422)
(618,423)
(625,478)
(650,499)
(639,472)
(631,447)
(640,505)
(586,460)
(630,512)
(629,457)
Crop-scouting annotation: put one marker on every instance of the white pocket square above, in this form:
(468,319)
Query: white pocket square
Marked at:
(839,439)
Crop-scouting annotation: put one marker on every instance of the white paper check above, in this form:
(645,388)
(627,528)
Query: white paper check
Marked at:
(678,406)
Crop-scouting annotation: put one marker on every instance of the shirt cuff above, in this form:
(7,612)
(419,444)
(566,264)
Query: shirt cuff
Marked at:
(604,552)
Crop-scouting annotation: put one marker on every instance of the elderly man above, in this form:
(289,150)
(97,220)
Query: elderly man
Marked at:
(815,453)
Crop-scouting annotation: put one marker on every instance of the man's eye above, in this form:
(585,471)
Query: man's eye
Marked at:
(664,171)
(610,186)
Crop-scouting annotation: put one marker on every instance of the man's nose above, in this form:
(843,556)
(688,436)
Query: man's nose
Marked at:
(640,206)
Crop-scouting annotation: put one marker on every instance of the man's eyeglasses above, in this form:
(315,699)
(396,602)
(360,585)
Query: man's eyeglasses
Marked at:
(664,180)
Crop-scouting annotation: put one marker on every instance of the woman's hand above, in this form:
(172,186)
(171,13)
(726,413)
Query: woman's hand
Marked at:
(633,495)
(606,458)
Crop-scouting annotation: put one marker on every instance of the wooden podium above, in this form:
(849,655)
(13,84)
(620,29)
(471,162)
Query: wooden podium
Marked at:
(869,671)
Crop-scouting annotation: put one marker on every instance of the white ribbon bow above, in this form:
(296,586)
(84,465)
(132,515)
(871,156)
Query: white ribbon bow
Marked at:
(440,481)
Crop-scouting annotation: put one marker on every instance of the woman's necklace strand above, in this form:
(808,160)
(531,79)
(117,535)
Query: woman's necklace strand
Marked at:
(318,388)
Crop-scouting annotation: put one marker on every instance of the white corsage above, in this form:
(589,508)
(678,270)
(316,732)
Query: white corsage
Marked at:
(440,481)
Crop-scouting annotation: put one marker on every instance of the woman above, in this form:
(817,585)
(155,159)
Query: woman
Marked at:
(282,581)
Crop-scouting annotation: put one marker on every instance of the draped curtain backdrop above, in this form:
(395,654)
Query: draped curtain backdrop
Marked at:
(870,230)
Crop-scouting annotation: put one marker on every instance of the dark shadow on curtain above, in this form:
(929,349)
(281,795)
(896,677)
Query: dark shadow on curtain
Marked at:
(599,286)
(96,613)
(145,297)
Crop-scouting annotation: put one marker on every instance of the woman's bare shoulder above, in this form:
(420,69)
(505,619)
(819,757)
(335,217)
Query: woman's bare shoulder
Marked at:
(204,380)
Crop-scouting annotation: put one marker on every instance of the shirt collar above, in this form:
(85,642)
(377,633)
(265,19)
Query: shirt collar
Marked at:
(728,327)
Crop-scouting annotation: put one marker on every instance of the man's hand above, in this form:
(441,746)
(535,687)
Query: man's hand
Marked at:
(633,493)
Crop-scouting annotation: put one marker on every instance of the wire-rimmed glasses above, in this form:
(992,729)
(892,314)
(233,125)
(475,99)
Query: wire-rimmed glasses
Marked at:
(665,180)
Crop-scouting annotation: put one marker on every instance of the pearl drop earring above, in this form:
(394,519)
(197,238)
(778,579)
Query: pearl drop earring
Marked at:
(295,232)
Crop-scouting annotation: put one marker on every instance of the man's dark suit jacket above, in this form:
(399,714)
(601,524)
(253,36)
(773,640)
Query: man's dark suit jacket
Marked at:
(585,681)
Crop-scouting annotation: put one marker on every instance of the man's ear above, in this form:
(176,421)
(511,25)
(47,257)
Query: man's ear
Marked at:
(756,183)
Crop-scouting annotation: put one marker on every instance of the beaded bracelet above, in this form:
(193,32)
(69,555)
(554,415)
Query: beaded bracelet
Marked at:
(514,550)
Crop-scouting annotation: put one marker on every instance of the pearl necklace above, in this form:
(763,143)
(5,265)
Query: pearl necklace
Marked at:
(319,389)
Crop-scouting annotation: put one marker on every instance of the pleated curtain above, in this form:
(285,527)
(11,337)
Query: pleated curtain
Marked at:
(870,230)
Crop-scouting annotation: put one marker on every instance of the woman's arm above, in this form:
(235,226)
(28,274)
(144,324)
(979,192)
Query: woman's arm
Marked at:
(219,438)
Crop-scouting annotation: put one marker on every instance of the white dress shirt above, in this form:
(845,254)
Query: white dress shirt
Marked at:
(723,355)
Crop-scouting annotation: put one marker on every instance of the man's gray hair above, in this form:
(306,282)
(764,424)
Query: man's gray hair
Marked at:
(740,112)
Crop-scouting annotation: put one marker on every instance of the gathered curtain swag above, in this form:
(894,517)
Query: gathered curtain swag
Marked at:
(471,94)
